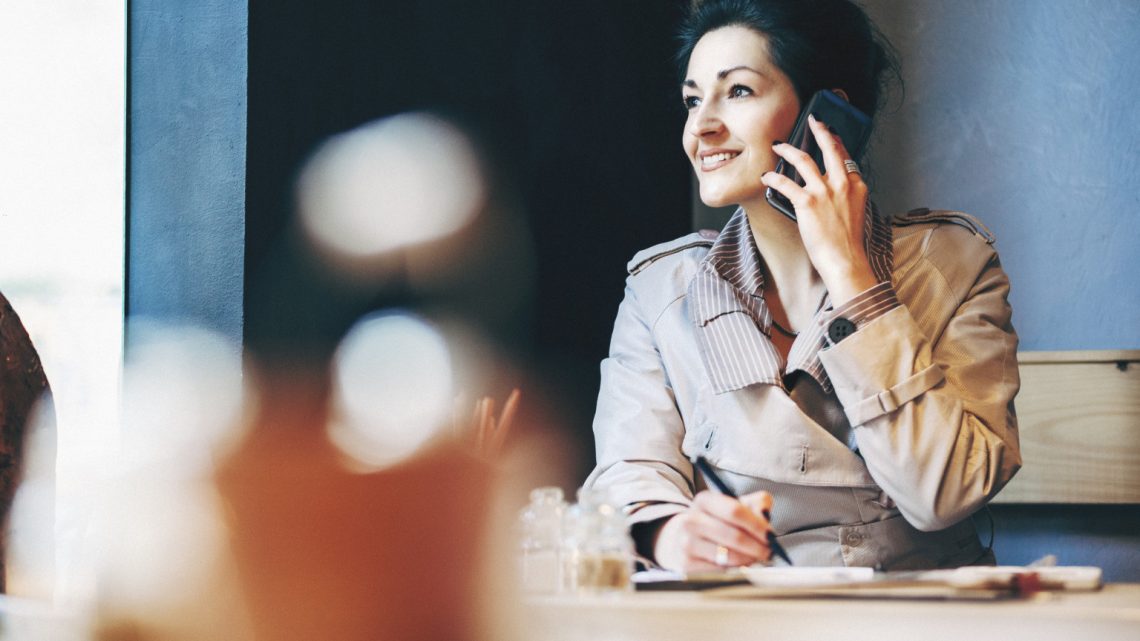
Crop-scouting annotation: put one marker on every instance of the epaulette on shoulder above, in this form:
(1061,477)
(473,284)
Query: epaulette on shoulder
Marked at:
(647,257)
(924,215)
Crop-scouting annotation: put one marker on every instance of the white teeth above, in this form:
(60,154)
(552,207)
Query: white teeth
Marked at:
(715,158)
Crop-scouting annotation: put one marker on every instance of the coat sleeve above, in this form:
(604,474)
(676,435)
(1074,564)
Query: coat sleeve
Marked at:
(933,415)
(638,429)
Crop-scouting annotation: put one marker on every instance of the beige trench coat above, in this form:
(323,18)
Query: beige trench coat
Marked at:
(926,390)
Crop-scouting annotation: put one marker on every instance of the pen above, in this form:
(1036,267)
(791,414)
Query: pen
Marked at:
(713,480)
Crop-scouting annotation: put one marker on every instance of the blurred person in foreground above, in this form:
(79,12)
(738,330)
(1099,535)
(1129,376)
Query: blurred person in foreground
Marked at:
(851,377)
(356,510)
(316,486)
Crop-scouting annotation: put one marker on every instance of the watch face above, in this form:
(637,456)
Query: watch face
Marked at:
(840,329)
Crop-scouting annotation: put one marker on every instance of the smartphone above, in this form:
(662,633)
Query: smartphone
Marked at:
(851,125)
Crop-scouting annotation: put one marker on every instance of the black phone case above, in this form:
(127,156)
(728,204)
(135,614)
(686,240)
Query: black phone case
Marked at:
(852,126)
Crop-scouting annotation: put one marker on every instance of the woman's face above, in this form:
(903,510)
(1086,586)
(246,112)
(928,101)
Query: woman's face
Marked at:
(739,103)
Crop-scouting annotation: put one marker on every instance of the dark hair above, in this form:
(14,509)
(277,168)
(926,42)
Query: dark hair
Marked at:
(818,44)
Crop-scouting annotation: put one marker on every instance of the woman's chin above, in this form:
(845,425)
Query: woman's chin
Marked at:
(717,199)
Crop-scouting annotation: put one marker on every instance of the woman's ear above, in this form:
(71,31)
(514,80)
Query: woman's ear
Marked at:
(842,94)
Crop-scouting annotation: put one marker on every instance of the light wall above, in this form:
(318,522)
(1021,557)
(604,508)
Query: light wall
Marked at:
(186,162)
(1022,113)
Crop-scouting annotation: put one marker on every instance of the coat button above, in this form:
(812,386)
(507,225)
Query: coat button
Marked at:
(840,329)
(853,539)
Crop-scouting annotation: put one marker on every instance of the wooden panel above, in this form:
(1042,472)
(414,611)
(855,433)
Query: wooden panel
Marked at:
(1079,416)
(1080,356)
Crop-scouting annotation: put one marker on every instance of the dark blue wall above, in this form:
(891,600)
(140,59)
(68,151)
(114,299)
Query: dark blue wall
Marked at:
(186,161)
(576,108)
(1107,536)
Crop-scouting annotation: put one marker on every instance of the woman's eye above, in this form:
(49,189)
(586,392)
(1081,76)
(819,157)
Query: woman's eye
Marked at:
(691,102)
(739,91)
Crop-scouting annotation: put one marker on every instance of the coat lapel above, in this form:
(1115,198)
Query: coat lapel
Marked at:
(733,323)
(727,308)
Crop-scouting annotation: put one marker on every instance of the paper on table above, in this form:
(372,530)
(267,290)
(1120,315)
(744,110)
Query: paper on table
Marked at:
(971,582)
(660,579)
(761,575)
(968,583)
(766,576)
(1062,577)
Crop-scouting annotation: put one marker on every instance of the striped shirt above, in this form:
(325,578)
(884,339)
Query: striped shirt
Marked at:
(729,289)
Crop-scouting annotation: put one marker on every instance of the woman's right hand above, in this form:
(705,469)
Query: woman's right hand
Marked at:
(688,541)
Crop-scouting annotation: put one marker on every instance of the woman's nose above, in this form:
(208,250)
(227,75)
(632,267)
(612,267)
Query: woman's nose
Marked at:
(705,121)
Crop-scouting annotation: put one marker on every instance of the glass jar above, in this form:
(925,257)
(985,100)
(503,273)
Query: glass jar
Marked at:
(597,551)
(540,538)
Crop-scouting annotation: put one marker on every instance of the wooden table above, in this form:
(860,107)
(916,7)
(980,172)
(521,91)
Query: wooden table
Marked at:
(1109,614)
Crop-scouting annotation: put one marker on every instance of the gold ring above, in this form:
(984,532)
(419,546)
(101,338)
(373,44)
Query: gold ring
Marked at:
(721,555)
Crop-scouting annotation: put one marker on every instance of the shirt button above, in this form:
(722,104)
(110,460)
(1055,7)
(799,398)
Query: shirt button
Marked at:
(840,329)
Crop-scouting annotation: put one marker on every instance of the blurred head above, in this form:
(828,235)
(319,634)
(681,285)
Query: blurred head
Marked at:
(747,67)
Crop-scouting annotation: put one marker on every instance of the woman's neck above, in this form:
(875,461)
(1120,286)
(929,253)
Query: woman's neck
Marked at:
(792,284)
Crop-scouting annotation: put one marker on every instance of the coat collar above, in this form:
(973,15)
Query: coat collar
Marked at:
(733,323)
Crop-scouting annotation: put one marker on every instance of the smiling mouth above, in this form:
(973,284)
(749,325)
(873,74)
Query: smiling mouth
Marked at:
(715,161)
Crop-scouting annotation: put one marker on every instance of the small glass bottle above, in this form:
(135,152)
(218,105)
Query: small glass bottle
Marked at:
(597,551)
(540,537)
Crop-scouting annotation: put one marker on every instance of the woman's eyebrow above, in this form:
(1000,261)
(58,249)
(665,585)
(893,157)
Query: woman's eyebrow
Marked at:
(723,73)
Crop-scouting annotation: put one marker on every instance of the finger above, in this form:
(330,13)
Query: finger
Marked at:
(703,535)
(793,191)
(505,421)
(832,149)
(478,423)
(834,153)
(803,163)
(694,546)
(732,513)
(760,503)
(694,564)
(486,422)
(707,551)
(730,510)
(704,526)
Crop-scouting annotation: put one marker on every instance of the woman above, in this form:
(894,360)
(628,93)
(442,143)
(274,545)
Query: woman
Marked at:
(852,380)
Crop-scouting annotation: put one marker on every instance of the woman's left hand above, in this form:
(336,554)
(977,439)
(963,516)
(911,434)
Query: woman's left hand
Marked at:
(830,209)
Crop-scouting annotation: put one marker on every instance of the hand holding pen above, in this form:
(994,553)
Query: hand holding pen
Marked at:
(702,466)
(716,531)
